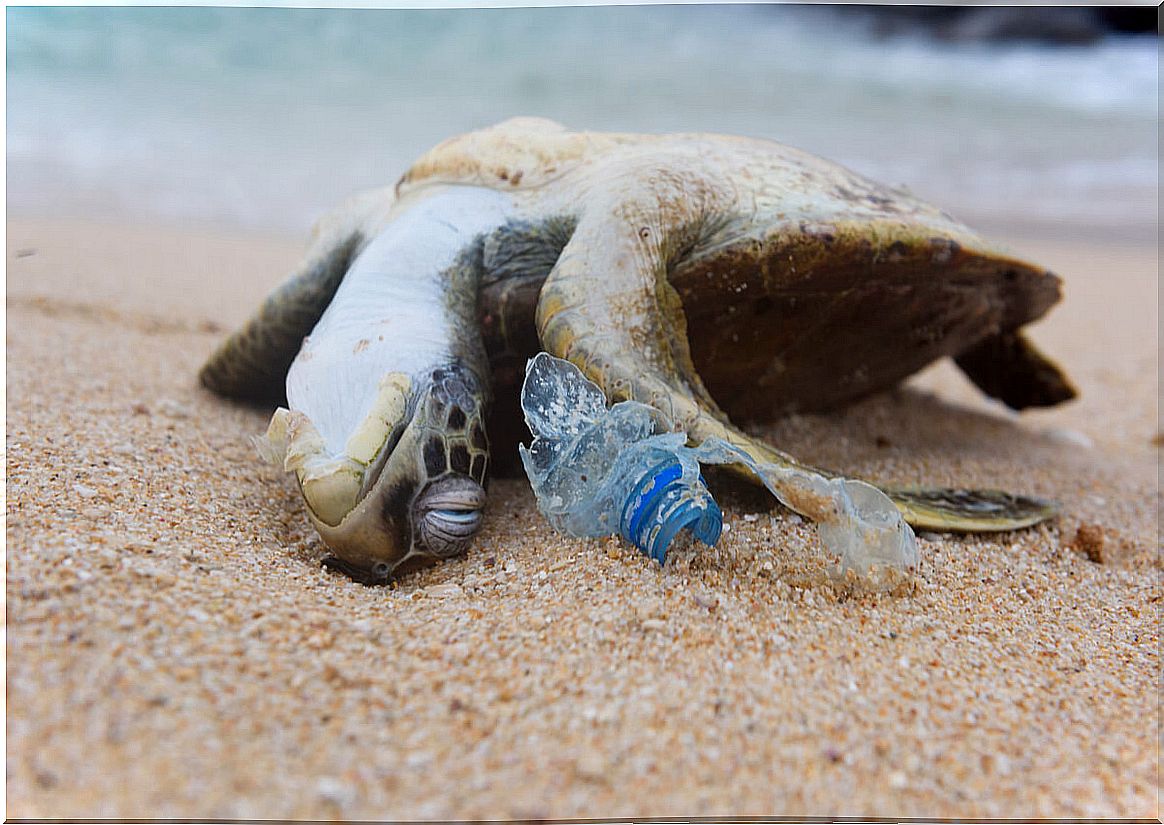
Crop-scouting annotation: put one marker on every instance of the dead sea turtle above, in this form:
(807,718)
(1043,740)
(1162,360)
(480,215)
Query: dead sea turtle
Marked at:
(716,278)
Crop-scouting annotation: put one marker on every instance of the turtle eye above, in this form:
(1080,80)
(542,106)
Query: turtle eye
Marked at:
(448,513)
(378,573)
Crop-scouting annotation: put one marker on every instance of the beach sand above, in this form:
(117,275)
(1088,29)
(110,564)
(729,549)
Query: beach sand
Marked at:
(175,650)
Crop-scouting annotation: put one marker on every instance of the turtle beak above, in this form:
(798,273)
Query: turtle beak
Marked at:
(407,518)
(375,535)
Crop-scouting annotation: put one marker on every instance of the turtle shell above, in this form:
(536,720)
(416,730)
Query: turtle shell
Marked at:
(803,285)
(715,278)
(804,316)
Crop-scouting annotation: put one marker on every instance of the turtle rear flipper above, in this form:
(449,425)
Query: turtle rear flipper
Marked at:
(1008,367)
(252,363)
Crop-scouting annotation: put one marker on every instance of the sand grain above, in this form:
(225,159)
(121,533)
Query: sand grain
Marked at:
(175,650)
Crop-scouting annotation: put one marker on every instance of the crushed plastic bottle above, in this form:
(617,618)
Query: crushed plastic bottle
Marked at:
(598,471)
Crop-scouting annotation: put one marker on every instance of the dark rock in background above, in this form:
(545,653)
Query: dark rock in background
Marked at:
(1061,25)
(1131,19)
(1065,26)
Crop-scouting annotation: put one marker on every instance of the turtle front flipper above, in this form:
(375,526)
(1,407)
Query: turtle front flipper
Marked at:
(386,396)
(608,308)
(252,363)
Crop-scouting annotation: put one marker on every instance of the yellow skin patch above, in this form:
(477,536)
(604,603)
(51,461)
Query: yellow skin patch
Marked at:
(645,203)
(331,484)
(664,231)
(388,411)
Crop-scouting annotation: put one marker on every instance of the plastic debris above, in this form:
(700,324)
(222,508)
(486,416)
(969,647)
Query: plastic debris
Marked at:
(598,471)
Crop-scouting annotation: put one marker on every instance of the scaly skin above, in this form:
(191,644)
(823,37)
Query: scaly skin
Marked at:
(672,269)
(252,363)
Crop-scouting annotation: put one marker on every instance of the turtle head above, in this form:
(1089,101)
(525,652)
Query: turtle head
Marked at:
(409,486)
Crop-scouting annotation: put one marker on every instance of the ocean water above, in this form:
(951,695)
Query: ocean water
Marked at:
(263,118)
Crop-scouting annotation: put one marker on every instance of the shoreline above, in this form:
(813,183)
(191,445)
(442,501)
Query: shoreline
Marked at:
(175,650)
(987,224)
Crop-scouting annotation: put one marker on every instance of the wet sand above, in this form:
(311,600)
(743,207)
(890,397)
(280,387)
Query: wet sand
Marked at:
(175,650)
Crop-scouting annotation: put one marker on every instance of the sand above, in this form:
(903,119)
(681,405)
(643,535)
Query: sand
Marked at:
(175,650)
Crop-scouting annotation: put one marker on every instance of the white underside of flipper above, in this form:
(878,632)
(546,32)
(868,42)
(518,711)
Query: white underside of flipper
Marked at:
(390,313)
(388,326)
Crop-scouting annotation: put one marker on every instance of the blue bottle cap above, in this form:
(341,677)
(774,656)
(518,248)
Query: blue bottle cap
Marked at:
(662,503)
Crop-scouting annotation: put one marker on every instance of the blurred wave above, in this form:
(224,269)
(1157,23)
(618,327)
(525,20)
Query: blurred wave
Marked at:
(265,117)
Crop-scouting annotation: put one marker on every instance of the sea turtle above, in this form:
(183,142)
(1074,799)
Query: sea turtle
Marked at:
(716,278)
